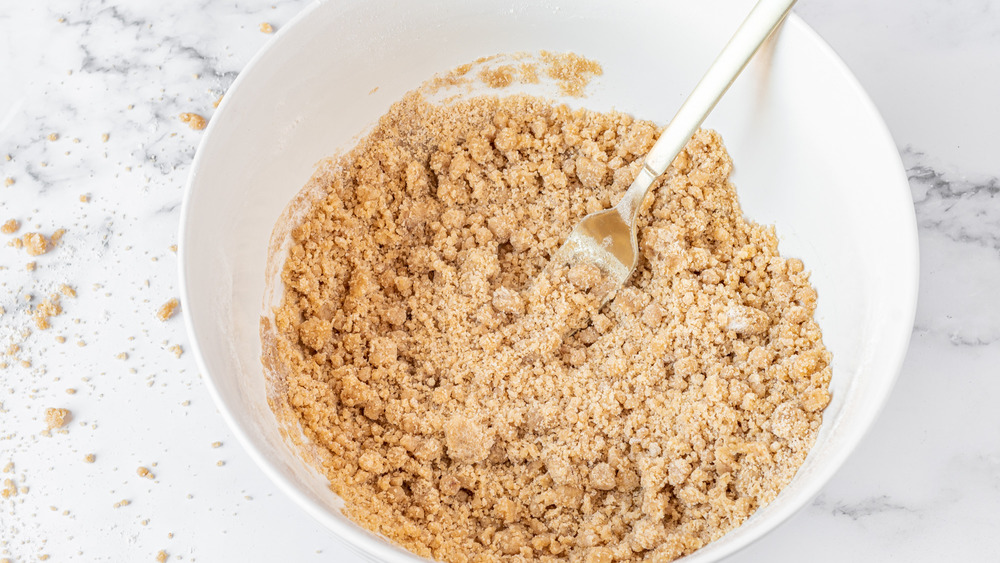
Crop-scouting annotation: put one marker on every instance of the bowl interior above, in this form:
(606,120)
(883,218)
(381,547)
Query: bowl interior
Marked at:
(811,156)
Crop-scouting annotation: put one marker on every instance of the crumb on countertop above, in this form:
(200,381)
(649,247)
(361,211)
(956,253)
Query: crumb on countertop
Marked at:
(194,120)
(167,310)
(56,418)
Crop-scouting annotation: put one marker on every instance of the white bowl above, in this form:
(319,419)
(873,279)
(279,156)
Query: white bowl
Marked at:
(811,155)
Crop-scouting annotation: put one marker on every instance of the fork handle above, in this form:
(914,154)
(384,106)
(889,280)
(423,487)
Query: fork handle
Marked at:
(762,20)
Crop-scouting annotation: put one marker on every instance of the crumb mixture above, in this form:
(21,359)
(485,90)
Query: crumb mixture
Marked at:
(469,409)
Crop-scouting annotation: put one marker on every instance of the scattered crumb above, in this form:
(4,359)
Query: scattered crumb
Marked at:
(122,356)
(105,137)
(35,244)
(498,77)
(193,120)
(60,339)
(43,557)
(84,198)
(67,290)
(173,248)
(71,391)
(373,90)
(177,350)
(161,557)
(8,181)
(57,236)
(121,503)
(45,310)
(9,489)
(53,136)
(57,418)
(167,310)
(266,28)
(9,467)
(216,444)
(89,458)
(30,266)
(572,71)
(145,472)
(216,103)
(11,226)
(220,463)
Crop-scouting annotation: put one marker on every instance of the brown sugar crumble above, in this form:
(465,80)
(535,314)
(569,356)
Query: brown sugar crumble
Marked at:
(468,408)
(193,120)
(167,310)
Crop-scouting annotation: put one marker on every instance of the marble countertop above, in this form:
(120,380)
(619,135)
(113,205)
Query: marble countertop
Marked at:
(90,140)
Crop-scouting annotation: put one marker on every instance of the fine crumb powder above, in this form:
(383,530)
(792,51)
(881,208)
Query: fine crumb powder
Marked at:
(57,418)
(470,409)
(167,310)
(193,120)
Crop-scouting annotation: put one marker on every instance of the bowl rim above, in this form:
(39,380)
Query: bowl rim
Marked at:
(364,542)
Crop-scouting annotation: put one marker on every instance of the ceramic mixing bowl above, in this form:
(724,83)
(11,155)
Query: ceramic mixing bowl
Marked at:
(812,156)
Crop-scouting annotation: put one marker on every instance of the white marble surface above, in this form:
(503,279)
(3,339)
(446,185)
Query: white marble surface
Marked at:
(923,486)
